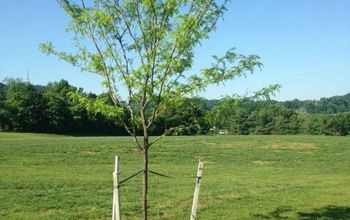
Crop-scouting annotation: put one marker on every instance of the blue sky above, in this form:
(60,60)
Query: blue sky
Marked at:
(304,46)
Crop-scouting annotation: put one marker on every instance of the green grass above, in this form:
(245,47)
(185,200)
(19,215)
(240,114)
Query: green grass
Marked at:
(245,177)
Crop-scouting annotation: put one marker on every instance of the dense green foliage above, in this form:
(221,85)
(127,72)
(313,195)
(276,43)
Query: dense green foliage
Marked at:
(333,105)
(51,109)
(244,177)
(271,117)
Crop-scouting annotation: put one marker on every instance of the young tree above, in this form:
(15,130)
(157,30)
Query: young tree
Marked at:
(146,49)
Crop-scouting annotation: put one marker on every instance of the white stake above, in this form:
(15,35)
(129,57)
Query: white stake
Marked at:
(116,201)
(196,190)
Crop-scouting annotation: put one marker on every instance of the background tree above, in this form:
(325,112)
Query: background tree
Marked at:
(338,124)
(57,106)
(188,116)
(146,48)
(224,113)
(24,106)
(4,111)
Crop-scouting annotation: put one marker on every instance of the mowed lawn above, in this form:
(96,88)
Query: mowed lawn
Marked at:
(244,177)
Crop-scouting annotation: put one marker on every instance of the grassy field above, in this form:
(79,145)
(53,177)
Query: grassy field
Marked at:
(245,177)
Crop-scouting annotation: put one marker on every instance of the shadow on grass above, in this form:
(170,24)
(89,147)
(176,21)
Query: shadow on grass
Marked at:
(329,212)
(278,213)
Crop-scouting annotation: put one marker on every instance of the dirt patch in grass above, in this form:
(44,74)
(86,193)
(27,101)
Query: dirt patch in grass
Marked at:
(263,162)
(290,145)
(299,146)
(209,143)
(51,210)
(90,153)
(237,144)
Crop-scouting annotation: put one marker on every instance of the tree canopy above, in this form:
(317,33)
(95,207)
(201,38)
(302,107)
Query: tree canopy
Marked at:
(146,48)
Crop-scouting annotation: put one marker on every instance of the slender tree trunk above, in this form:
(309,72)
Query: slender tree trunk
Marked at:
(145,180)
(145,160)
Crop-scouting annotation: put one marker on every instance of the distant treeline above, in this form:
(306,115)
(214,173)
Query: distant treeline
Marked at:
(271,117)
(49,109)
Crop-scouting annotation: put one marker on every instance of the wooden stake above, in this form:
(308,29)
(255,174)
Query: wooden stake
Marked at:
(116,201)
(196,190)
